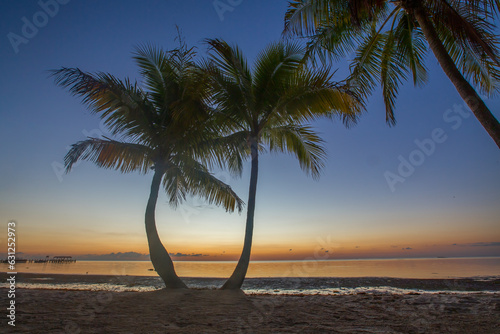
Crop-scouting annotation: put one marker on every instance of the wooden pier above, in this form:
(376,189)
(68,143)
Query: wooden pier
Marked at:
(55,259)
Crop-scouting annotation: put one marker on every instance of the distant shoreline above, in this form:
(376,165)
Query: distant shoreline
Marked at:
(75,257)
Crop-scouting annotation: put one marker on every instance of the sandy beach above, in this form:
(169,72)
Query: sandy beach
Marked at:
(475,309)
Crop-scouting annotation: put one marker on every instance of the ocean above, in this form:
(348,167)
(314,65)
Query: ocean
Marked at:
(400,276)
(402,268)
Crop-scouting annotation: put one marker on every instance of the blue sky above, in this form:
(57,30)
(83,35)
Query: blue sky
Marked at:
(451,197)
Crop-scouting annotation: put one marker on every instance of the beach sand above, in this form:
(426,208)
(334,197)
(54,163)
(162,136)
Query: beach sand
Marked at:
(215,311)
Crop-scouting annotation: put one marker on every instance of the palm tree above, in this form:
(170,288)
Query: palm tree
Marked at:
(268,108)
(162,128)
(391,39)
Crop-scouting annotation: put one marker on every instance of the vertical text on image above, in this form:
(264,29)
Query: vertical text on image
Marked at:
(11,280)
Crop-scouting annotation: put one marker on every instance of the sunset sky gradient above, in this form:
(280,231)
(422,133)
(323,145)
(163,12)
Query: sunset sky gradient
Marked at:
(448,205)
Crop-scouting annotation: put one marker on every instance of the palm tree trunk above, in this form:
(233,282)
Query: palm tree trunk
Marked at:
(238,276)
(466,91)
(159,256)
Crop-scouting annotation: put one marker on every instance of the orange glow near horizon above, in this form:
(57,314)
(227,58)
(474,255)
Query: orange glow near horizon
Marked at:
(223,241)
(319,249)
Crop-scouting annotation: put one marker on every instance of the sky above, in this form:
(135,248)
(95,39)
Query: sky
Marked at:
(427,187)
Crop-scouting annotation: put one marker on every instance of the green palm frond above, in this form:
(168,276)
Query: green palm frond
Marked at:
(300,141)
(392,74)
(275,66)
(470,28)
(176,87)
(366,65)
(188,176)
(389,44)
(225,151)
(331,43)
(412,48)
(336,32)
(303,17)
(175,185)
(230,60)
(481,71)
(107,153)
(285,93)
(166,127)
(121,104)
(313,94)
(490,7)
(232,73)
(227,96)
(152,62)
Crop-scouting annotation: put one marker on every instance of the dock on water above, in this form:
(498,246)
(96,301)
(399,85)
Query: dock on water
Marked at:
(55,259)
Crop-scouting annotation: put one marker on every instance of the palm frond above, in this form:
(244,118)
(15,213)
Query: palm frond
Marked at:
(198,181)
(482,72)
(275,66)
(152,62)
(233,71)
(121,104)
(388,54)
(107,153)
(470,28)
(175,185)
(339,27)
(361,9)
(225,151)
(304,16)
(229,99)
(285,93)
(365,67)
(331,43)
(314,94)
(230,60)
(301,141)
(392,74)
(411,47)
(490,7)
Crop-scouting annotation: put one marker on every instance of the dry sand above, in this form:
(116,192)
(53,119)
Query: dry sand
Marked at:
(214,311)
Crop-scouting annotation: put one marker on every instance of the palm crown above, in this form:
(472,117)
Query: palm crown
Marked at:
(389,42)
(272,104)
(165,127)
(270,107)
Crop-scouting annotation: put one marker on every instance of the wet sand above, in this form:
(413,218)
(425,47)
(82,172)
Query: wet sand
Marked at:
(285,285)
(215,311)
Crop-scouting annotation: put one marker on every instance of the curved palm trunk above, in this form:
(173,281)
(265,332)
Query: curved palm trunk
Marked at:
(238,276)
(159,256)
(466,91)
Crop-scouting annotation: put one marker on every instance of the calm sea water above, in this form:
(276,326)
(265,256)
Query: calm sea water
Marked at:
(402,268)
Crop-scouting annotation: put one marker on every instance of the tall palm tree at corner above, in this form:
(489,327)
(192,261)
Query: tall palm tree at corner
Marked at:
(391,39)
(160,127)
(269,107)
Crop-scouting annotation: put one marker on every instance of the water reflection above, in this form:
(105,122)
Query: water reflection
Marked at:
(404,268)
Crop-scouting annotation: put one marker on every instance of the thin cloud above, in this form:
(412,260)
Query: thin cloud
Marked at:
(480,244)
(186,255)
(126,256)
